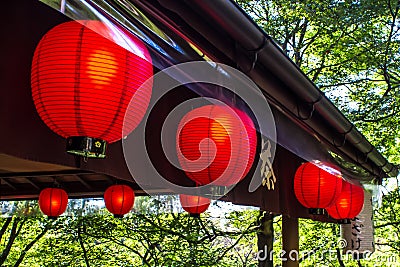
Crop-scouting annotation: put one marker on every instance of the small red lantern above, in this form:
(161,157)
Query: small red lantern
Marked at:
(194,205)
(317,186)
(83,80)
(119,199)
(216,143)
(53,202)
(349,204)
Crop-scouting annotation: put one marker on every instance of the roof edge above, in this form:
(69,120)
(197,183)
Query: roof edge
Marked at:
(249,36)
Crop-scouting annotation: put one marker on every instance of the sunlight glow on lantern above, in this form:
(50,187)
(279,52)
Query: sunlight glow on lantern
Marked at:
(216,144)
(316,187)
(119,199)
(103,72)
(83,78)
(349,204)
(194,205)
(53,202)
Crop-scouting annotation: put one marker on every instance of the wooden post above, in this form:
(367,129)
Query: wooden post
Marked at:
(290,240)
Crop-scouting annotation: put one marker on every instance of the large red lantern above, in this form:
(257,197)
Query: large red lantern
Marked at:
(83,80)
(349,204)
(317,185)
(53,202)
(194,205)
(216,144)
(119,199)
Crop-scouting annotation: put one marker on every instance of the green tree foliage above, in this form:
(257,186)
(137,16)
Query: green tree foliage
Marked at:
(161,237)
(157,237)
(350,50)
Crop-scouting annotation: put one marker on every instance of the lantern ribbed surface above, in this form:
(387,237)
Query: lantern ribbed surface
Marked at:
(119,199)
(349,204)
(82,81)
(216,143)
(194,204)
(53,201)
(315,187)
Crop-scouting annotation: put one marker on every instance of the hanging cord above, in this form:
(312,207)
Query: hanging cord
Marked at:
(56,184)
(77,159)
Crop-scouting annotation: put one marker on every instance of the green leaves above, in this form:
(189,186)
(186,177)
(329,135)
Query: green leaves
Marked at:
(155,238)
(350,49)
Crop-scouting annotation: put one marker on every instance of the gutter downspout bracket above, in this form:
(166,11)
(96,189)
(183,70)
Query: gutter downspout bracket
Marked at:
(343,138)
(246,60)
(305,110)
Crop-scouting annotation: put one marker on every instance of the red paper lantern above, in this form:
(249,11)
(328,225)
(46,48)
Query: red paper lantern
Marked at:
(119,199)
(83,80)
(216,144)
(317,186)
(53,202)
(194,205)
(349,204)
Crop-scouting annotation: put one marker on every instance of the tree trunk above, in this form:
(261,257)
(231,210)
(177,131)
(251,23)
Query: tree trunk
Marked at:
(265,240)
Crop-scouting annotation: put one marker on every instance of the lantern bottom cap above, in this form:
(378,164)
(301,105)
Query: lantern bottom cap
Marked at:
(212,191)
(118,216)
(87,147)
(194,215)
(344,221)
(52,217)
(317,211)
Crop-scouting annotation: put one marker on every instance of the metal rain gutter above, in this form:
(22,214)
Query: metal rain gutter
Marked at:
(322,116)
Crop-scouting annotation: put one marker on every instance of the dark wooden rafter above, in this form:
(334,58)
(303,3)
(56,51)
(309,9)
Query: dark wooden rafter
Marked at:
(32,183)
(8,183)
(78,184)
(82,181)
(44,173)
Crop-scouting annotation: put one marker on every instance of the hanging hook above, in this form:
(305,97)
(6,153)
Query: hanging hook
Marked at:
(56,184)
(77,159)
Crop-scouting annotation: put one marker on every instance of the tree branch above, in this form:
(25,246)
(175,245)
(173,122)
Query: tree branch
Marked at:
(30,245)
(5,226)
(121,244)
(82,245)
(13,234)
(339,257)
(387,224)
